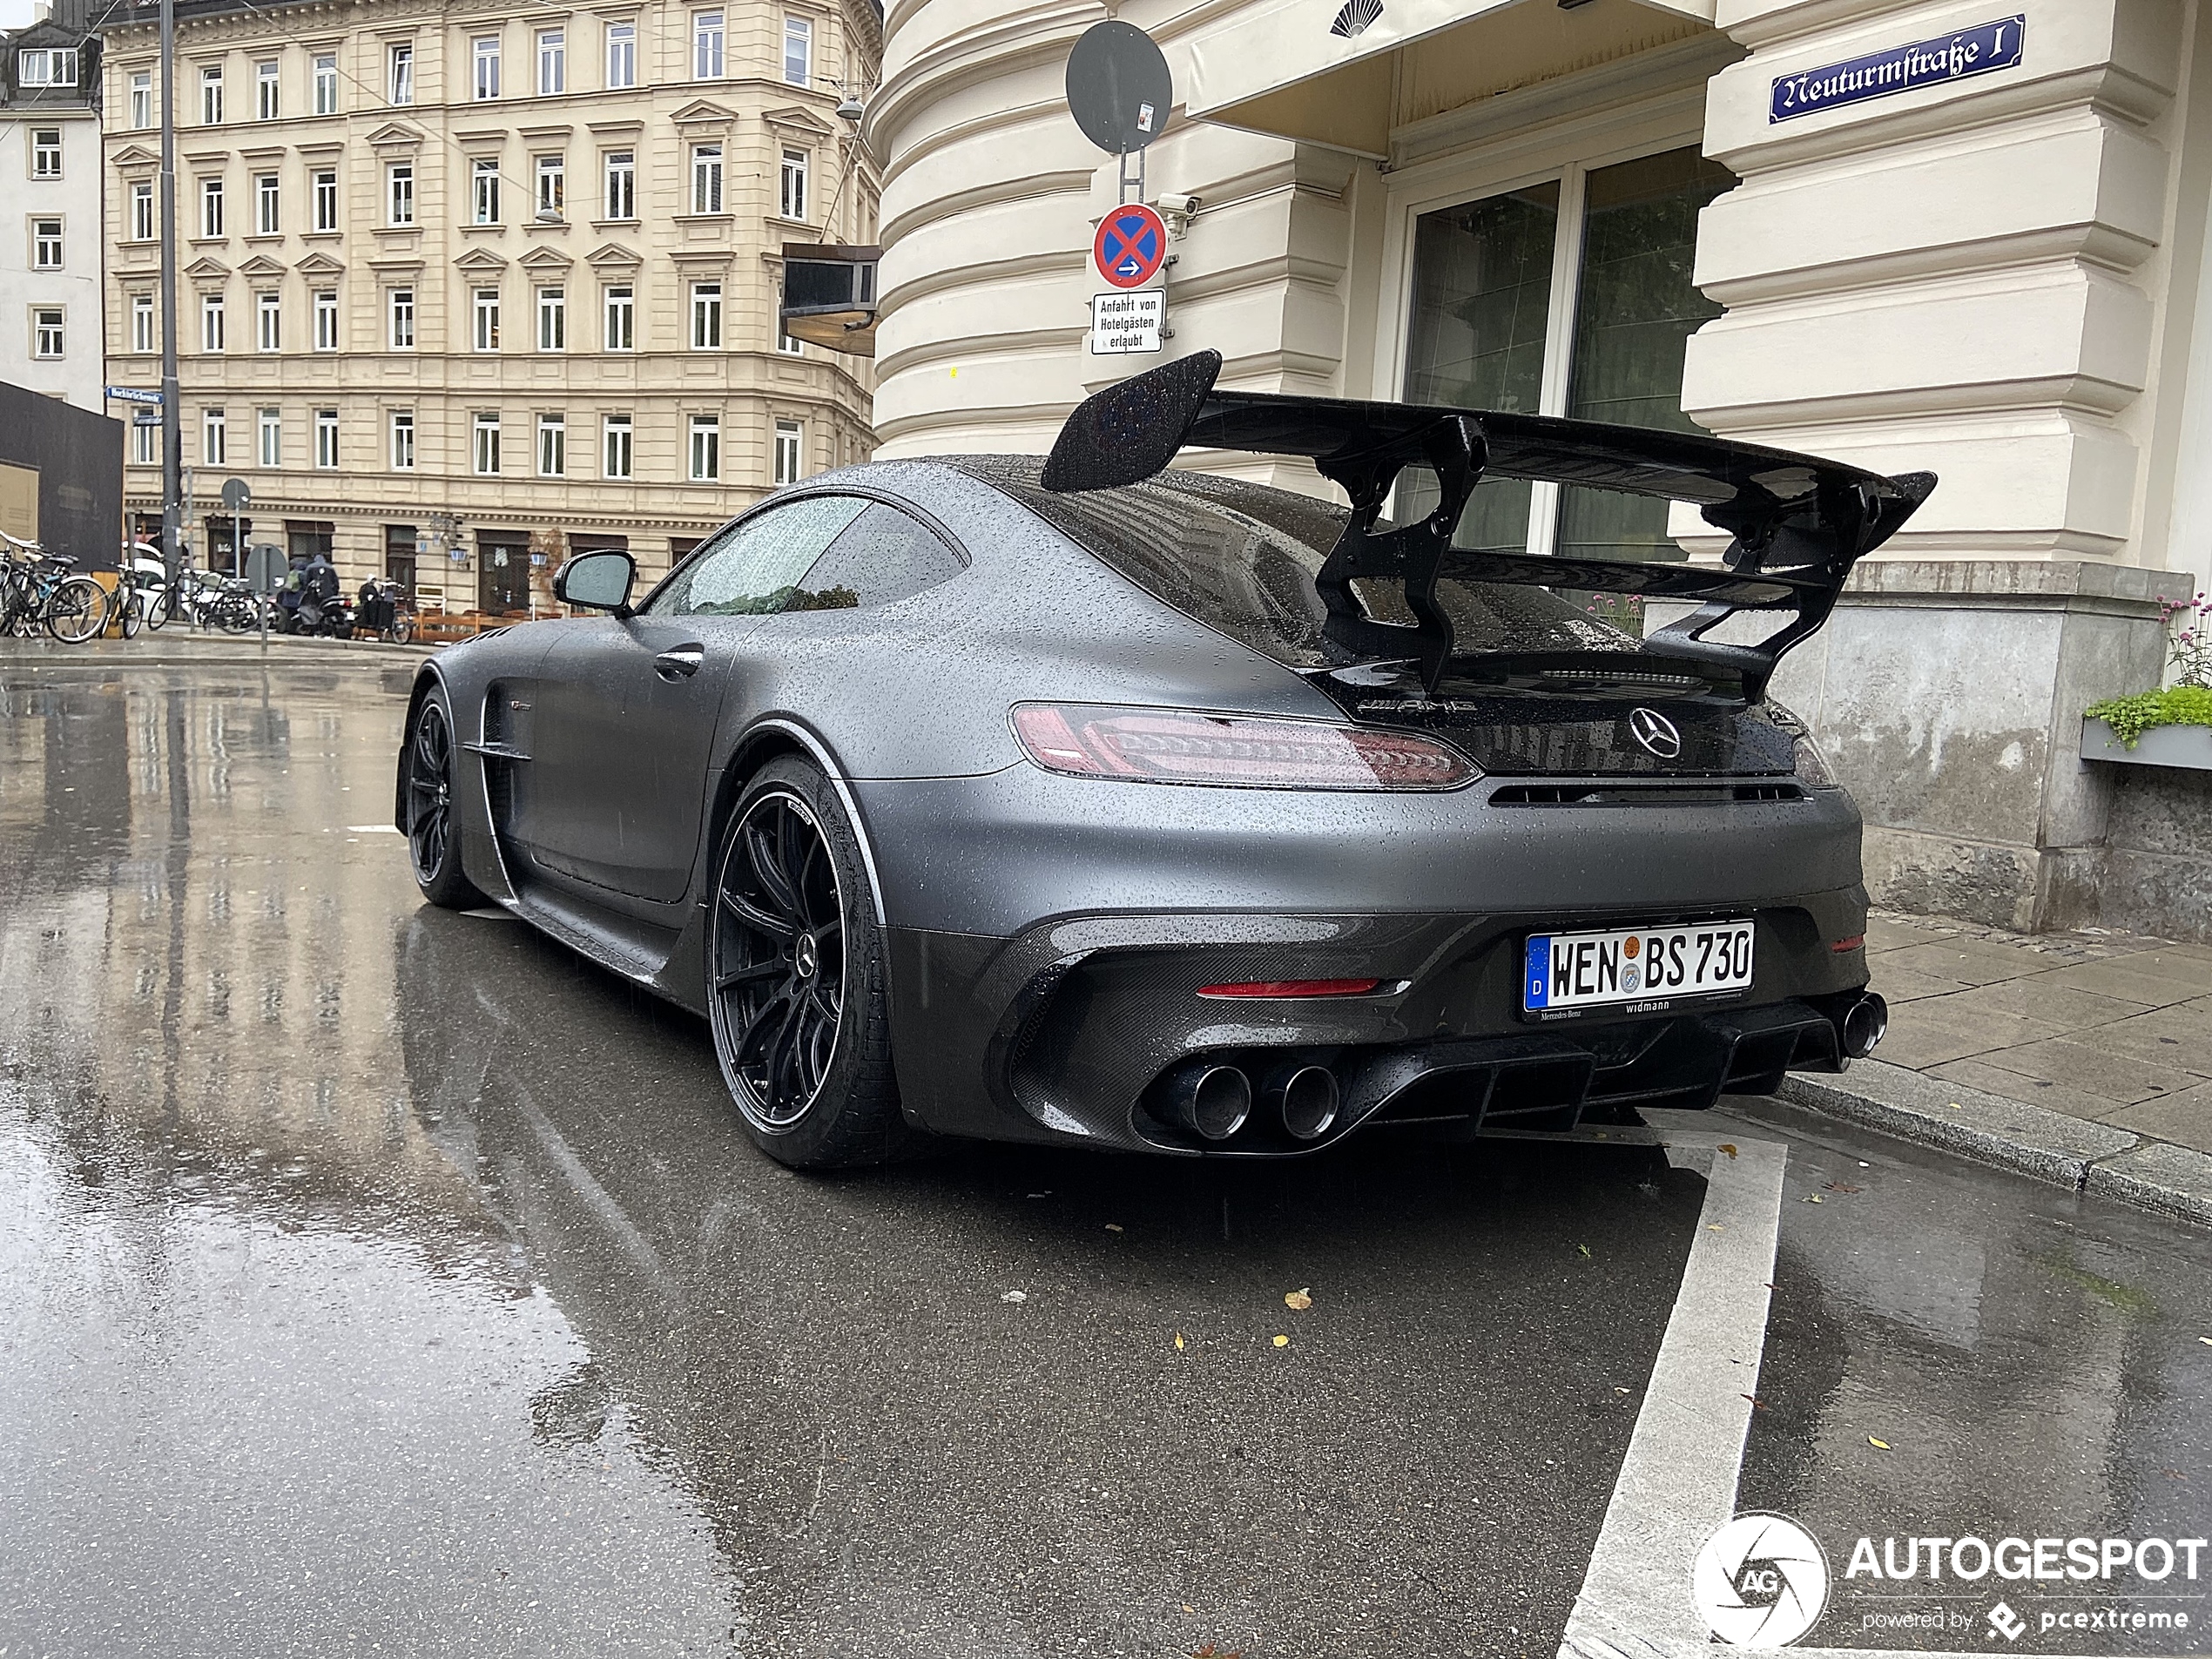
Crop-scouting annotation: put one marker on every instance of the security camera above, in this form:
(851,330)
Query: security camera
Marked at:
(1181,207)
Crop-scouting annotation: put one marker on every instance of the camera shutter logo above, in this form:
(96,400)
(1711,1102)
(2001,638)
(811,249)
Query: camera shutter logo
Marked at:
(1655,733)
(1762,1579)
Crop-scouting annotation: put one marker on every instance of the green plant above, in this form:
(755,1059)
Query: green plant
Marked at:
(2130,717)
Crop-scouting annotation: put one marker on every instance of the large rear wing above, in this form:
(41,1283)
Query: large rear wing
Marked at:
(1796,524)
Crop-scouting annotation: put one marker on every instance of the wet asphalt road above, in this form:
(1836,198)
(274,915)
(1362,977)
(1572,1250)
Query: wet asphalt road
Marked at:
(377,1280)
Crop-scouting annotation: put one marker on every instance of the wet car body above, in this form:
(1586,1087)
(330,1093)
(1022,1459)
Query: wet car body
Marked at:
(1058,946)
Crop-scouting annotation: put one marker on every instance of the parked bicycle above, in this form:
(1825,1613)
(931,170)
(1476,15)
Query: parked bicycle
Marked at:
(40,592)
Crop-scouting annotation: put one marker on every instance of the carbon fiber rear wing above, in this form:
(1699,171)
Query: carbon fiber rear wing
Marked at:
(1796,524)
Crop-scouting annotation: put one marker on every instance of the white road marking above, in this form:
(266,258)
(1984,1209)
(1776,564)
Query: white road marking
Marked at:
(1678,1484)
(371,829)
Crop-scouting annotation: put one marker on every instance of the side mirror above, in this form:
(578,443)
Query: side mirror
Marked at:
(597,581)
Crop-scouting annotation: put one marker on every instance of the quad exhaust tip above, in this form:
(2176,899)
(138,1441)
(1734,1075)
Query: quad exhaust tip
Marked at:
(1212,1102)
(1865,1023)
(1308,1100)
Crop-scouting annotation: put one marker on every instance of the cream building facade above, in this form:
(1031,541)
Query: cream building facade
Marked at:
(49,220)
(466,287)
(1969,238)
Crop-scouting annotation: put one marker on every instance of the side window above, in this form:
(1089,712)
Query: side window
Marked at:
(883,557)
(753,568)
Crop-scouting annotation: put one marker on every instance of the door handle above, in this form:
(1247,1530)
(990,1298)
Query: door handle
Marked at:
(679,662)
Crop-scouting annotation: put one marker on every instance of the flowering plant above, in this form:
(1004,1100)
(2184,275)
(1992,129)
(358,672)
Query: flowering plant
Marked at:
(2189,647)
(2188,700)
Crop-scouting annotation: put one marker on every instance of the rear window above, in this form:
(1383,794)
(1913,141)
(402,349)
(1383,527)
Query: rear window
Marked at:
(1241,557)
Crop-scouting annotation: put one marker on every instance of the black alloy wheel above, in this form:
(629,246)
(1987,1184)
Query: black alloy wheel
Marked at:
(433,838)
(796,988)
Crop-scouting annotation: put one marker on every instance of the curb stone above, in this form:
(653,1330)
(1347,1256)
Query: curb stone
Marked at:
(2011,1134)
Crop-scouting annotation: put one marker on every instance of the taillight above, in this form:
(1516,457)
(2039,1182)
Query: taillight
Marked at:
(1171,747)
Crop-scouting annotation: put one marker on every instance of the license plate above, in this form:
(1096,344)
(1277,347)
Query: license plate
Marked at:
(1564,972)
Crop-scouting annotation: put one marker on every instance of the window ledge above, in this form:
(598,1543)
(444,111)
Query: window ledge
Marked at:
(702,219)
(270,236)
(547,226)
(618,224)
(482,230)
(206,241)
(397,230)
(322,236)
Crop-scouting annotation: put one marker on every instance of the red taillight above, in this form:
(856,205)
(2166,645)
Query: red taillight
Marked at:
(1293,988)
(1842,944)
(1169,746)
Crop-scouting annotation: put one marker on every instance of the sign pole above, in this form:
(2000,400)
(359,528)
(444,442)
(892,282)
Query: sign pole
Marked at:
(172,446)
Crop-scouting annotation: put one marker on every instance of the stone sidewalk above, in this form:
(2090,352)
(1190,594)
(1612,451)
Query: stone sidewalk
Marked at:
(2103,1026)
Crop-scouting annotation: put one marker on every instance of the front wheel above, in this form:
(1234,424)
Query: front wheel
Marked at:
(76,610)
(433,818)
(162,607)
(134,611)
(797,994)
(401,631)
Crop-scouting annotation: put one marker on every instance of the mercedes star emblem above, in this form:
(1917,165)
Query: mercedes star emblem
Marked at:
(1655,733)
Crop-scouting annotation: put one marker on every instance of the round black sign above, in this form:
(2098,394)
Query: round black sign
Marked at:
(1117,87)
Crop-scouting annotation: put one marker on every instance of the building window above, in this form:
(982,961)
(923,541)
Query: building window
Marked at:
(211,207)
(325,185)
(46,332)
(326,308)
(487,56)
(402,313)
(706,177)
(268,210)
(622,184)
(706,448)
(326,79)
(402,76)
(210,322)
(326,439)
(790,440)
(215,438)
(211,96)
(622,316)
(706,316)
(402,178)
(143,228)
(142,322)
(706,45)
(788,343)
(791,194)
(552,446)
(552,62)
(486,445)
(268,322)
(1482,327)
(269,432)
(403,440)
(552,319)
(47,67)
(484,192)
(621,54)
(142,98)
(615,451)
(487,312)
(45,244)
(552,186)
(265,90)
(144,438)
(799,50)
(46,153)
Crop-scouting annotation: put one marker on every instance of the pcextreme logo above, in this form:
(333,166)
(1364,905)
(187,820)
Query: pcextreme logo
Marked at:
(1762,1579)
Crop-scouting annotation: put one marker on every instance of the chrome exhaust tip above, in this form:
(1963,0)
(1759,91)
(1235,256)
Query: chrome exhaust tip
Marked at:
(1308,1101)
(1865,1023)
(1212,1102)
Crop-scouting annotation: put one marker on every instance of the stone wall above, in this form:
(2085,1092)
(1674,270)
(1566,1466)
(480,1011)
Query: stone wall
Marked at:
(2156,870)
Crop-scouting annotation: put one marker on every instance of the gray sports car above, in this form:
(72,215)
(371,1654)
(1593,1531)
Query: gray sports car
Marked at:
(1095,802)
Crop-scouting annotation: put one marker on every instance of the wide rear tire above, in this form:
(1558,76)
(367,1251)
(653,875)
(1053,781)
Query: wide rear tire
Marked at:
(433,814)
(797,986)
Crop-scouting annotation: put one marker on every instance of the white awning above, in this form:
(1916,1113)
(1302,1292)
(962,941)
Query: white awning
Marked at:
(1288,67)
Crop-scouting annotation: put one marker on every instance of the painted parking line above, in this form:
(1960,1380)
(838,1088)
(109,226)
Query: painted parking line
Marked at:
(1678,1484)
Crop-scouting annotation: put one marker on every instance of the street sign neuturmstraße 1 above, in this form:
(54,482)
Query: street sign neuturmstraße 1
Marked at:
(135,395)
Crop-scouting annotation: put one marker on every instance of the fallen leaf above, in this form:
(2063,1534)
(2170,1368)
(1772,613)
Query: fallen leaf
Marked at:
(1014,1295)
(1584,1249)
(1187,1607)
(2207,1341)
(1843,1186)
(1814,1197)
(1299,1299)
(1714,1227)
(1113,1226)
(1757,1405)
(1178,1342)
(1879,1446)
(1282,1342)
(1727,1147)
(1618,1389)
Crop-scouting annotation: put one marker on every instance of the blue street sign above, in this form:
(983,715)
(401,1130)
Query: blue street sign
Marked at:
(134,394)
(1901,68)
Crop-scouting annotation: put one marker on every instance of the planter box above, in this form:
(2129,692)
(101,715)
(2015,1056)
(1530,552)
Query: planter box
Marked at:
(2162,746)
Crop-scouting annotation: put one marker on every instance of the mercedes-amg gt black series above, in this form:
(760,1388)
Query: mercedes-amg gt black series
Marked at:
(1094,802)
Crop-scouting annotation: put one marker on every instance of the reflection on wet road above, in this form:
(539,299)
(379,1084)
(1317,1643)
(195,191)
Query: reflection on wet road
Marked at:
(378,1279)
